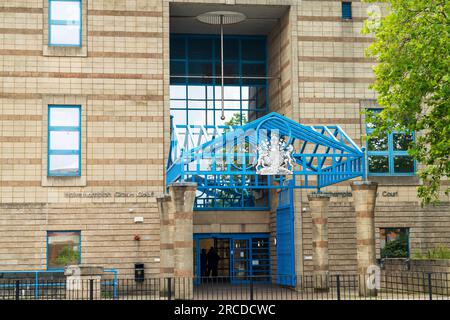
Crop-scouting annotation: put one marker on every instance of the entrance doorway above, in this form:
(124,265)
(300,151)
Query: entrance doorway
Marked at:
(242,256)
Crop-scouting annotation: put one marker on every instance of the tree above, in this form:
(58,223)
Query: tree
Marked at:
(412,48)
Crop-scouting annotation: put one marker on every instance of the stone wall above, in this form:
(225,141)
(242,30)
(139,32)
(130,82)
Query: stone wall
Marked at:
(116,76)
(107,234)
(427,266)
(428,227)
(417,275)
(231,221)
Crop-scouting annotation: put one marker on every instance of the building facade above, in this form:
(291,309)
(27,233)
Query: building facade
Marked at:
(92,90)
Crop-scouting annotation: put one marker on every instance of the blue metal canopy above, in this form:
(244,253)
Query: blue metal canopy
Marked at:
(223,157)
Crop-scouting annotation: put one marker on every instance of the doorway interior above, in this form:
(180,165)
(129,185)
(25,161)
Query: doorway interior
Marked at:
(243,256)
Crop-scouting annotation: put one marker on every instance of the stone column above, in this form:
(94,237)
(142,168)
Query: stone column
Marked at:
(182,196)
(364,197)
(83,282)
(167,230)
(318,205)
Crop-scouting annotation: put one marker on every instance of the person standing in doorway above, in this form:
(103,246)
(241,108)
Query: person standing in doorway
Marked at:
(203,263)
(213,262)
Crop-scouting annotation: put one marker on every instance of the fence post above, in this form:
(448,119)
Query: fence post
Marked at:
(430,287)
(91,289)
(169,289)
(251,289)
(338,287)
(17,289)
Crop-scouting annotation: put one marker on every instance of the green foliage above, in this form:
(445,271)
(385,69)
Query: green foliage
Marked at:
(106,295)
(412,48)
(438,252)
(68,256)
(396,248)
(236,120)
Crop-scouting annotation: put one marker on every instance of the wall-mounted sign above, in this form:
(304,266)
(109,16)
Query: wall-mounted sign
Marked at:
(385,194)
(99,195)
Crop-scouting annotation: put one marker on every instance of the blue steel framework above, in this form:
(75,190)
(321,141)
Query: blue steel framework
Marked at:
(195,95)
(52,22)
(53,128)
(323,152)
(389,155)
(285,238)
(255,259)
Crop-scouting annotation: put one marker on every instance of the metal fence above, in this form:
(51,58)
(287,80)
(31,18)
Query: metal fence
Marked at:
(45,284)
(389,286)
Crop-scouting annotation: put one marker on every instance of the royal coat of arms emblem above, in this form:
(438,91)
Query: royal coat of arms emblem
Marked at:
(274,157)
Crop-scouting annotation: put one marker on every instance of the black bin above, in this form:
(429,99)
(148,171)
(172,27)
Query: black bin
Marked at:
(139,272)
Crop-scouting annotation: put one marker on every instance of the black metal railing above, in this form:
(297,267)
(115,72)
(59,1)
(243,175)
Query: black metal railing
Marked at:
(388,286)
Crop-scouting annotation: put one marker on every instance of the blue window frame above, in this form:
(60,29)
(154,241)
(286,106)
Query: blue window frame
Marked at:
(64,140)
(197,100)
(388,155)
(195,97)
(346,10)
(64,23)
(63,248)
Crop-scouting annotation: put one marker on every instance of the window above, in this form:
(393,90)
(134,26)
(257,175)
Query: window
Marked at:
(64,23)
(388,155)
(195,90)
(346,10)
(64,140)
(196,99)
(394,242)
(63,248)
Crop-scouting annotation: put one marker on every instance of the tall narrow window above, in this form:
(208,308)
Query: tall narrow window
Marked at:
(63,248)
(388,155)
(346,10)
(64,23)
(64,140)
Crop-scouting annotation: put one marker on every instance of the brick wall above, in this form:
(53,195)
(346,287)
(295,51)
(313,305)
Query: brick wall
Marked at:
(118,78)
(428,227)
(120,81)
(107,234)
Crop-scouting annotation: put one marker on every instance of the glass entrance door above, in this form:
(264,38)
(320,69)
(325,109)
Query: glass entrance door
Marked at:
(241,260)
(241,256)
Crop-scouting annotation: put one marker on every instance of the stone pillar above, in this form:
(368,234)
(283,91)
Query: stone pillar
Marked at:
(364,197)
(167,230)
(83,282)
(182,196)
(176,244)
(318,205)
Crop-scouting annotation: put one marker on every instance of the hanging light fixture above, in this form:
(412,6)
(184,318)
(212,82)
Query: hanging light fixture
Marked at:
(221,18)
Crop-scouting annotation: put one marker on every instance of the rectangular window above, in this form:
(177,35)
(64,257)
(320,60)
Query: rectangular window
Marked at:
(346,10)
(388,155)
(64,140)
(63,248)
(64,23)
(394,242)
(196,99)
